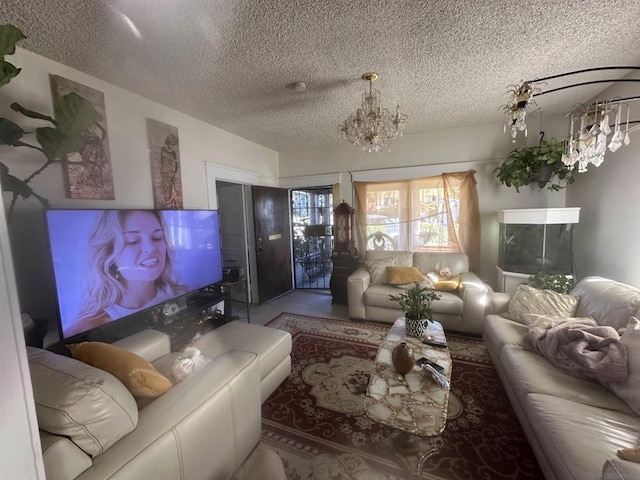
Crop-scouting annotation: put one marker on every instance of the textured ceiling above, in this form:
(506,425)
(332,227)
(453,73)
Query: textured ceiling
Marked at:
(232,63)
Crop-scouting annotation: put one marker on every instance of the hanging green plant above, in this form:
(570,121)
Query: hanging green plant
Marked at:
(540,165)
(74,115)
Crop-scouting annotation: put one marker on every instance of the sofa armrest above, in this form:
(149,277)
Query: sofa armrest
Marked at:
(497,303)
(204,427)
(148,344)
(357,284)
(474,293)
(618,469)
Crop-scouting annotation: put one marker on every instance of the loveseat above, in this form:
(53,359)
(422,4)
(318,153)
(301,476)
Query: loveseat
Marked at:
(461,310)
(207,426)
(574,425)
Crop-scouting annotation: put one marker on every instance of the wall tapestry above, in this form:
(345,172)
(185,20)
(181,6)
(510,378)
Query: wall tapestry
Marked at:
(92,178)
(164,151)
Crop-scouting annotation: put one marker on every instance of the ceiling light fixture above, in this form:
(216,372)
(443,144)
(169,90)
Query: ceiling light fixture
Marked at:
(587,140)
(372,127)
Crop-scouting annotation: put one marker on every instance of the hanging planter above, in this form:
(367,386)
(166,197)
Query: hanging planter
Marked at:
(536,165)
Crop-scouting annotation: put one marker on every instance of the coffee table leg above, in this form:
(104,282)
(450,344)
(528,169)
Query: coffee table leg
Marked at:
(414,449)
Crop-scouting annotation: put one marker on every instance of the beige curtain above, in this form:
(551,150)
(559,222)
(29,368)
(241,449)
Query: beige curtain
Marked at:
(438,213)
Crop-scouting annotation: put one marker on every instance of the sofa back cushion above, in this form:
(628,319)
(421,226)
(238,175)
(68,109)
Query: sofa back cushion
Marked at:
(607,301)
(402,258)
(428,262)
(75,400)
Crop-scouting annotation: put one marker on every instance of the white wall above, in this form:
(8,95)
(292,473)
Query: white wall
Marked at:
(481,148)
(206,152)
(606,239)
(20,451)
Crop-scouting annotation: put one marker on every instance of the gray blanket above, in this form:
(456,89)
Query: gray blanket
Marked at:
(580,347)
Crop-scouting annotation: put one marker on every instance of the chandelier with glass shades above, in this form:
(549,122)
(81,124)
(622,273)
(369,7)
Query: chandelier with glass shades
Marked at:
(372,127)
(593,128)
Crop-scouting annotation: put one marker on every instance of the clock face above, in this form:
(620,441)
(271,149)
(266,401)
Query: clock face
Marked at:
(341,229)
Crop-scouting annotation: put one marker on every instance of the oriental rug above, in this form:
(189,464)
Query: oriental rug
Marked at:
(316,421)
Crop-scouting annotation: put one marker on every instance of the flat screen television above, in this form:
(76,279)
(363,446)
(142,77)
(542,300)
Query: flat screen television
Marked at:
(110,264)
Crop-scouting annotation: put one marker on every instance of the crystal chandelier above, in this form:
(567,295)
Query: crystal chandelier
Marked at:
(590,126)
(588,143)
(371,126)
(516,108)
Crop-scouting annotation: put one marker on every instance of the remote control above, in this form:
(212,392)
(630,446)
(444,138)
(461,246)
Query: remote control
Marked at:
(434,343)
(425,361)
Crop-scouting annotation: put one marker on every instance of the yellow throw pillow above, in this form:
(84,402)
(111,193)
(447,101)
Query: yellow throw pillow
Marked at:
(141,378)
(630,454)
(444,284)
(402,275)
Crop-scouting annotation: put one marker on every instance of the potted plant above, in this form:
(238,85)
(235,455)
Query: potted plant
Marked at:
(536,166)
(552,281)
(55,141)
(416,305)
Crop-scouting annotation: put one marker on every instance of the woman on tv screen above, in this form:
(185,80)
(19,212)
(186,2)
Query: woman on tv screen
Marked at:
(129,267)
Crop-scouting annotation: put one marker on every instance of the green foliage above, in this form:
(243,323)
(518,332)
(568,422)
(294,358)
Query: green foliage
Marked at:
(527,165)
(550,281)
(416,302)
(9,36)
(74,115)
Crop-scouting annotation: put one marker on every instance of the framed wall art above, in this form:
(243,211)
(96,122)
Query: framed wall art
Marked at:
(92,177)
(164,152)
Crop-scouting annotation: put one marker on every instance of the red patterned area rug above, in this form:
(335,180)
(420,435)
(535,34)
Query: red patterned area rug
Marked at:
(316,420)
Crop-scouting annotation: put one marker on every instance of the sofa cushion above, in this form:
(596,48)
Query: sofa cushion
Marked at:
(528,372)
(629,390)
(62,458)
(378,296)
(543,302)
(576,438)
(609,302)
(500,331)
(403,275)
(378,270)
(76,400)
(139,376)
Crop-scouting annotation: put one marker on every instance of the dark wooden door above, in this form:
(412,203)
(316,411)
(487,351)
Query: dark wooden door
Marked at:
(273,242)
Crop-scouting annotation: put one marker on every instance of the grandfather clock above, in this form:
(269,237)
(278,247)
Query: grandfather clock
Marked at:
(345,256)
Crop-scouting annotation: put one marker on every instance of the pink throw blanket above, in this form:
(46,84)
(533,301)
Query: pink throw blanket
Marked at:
(580,347)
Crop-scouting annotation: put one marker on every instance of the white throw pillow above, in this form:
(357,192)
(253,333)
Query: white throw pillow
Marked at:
(529,300)
(378,270)
(629,390)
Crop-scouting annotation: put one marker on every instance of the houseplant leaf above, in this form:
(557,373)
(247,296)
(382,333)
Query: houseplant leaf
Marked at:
(16,107)
(9,36)
(7,72)
(74,114)
(56,144)
(10,133)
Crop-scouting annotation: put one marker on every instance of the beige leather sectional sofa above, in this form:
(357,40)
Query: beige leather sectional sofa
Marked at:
(462,310)
(207,426)
(574,426)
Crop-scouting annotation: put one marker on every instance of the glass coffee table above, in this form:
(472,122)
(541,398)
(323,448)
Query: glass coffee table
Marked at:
(412,403)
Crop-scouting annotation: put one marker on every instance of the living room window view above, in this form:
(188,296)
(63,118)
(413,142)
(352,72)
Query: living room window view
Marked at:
(204,278)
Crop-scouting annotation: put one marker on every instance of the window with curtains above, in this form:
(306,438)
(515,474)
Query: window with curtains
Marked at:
(427,214)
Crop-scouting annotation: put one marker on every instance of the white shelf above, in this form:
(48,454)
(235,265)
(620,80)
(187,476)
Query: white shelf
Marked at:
(539,216)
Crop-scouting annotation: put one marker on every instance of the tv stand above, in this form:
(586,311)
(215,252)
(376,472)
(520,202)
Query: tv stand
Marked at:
(194,313)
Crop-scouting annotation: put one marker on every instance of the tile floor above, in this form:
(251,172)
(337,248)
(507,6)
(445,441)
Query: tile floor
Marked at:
(316,303)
